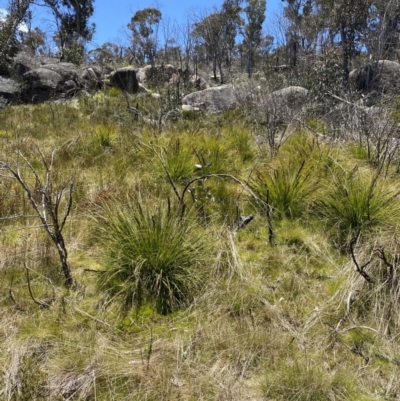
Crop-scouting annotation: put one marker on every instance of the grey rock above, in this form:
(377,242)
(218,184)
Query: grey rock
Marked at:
(186,107)
(294,97)
(376,79)
(175,79)
(24,62)
(70,84)
(143,89)
(68,71)
(125,79)
(161,73)
(145,74)
(89,79)
(10,90)
(98,70)
(214,100)
(44,82)
(43,60)
(103,69)
(198,82)
(42,78)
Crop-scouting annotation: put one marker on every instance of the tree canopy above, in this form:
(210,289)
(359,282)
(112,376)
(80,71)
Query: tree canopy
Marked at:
(144,26)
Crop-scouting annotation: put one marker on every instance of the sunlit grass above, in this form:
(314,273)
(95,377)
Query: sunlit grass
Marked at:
(217,313)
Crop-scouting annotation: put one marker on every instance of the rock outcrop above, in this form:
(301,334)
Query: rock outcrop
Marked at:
(376,75)
(51,79)
(376,79)
(293,97)
(198,82)
(214,100)
(90,79)
(10,91)
(125,79)
(157,73)
(24,62)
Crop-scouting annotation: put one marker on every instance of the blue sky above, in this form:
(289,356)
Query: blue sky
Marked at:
(111,20)
(112,17)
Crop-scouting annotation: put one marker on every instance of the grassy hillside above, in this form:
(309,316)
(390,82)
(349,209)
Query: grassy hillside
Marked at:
(170,298)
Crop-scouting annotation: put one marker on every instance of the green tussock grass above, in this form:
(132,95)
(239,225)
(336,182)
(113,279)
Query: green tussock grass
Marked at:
(172,299)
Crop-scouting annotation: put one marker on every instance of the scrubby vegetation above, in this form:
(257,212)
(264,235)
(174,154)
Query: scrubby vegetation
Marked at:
(193,258)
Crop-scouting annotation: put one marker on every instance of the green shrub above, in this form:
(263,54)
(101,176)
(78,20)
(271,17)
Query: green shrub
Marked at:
(151,255)
(327,77)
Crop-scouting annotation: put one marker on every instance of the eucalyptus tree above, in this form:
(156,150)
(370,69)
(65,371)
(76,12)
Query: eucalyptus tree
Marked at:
(186,42)
(14,15)
(216,32)
(144,40)
(342,22)
(208,36)
(170,49)
(304,27)
(108,54)
(254,12)
(350,19)
(72,19)
(382,37)
(233,22)
(33,41)
(346,22)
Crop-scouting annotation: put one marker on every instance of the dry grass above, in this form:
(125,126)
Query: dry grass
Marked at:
(288,319)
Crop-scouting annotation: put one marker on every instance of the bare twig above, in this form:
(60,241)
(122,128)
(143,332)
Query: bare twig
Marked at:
(382,256)
(10,293)
(268,214)
(49,210)
(345,101)
(360,269)
(45,304)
